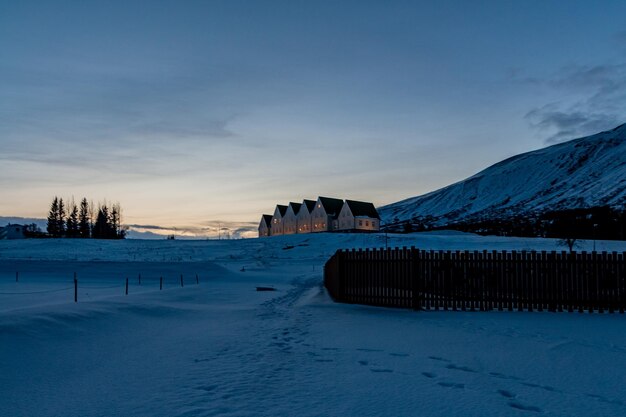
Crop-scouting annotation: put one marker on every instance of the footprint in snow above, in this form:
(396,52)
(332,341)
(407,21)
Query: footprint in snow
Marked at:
(524,407)
(506,394)
(503,376)
(378,370)
(399,355)
(438,358)
(363,363)
(429,375)
(460,368)
(543,387)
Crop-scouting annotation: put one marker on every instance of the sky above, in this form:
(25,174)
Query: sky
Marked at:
(205,115)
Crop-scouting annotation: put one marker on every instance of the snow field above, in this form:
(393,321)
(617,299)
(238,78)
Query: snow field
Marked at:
(222,349)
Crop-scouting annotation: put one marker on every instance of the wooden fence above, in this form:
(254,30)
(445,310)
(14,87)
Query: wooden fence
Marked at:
(479,281)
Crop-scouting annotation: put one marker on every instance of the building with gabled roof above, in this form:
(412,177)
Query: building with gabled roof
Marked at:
(325,213)
(304,216)
(265,225)
(290,220)
(277,219)
(13,231)
(358,216)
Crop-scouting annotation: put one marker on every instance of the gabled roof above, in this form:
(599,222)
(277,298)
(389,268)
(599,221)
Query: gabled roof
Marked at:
(281,209)
(267,219)
(362,208)
(295,207)
(310,204)
(331,205)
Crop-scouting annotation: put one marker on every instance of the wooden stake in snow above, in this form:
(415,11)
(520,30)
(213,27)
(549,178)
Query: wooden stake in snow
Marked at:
(126,286)
(181,280)
(197,280)
(160,283)
(75,288)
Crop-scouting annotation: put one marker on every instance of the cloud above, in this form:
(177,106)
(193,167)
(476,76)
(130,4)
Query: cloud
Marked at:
(569,125)
(599,101)
(209,230)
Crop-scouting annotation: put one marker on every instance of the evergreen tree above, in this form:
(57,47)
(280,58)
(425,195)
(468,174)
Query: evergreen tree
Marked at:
(115,222)
(61,218)
(72,222)
(84,227)
(101,226)
(53,215)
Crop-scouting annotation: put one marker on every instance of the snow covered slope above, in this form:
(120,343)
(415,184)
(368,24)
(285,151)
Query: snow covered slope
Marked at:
(220,348)
(585,172)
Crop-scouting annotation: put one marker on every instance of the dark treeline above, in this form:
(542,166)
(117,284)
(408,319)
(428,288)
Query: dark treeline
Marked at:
(595,223)
(85,220)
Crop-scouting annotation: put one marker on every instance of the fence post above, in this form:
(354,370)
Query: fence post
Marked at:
(181,280)
(160,283)
(126,286)
(75,288)
(197,280)
(415,280)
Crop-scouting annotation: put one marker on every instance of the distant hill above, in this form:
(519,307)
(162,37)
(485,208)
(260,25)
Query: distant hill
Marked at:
(41,223)
(579,174)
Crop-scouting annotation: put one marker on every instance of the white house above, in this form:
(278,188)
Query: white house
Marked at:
(304,216)
(325,214)
(358,216)
(12,231)
(265,226)
(277,220)
(290,220)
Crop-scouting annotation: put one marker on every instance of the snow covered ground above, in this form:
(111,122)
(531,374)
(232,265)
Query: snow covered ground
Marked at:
(220,348)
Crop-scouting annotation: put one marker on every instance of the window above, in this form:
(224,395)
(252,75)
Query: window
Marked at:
(360,222)
(367,223)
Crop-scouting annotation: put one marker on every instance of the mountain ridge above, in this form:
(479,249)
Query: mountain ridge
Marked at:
(581,173)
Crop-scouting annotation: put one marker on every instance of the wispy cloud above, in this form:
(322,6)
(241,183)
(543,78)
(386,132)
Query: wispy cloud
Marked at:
(213,229)
(600,101)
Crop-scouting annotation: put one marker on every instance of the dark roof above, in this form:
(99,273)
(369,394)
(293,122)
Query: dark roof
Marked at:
(361,208)
(331,205)
(295,207)
(267,218)
(281,209)
(310,204)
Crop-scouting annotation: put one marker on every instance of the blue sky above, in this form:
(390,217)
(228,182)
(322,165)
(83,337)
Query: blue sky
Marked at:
(194,114)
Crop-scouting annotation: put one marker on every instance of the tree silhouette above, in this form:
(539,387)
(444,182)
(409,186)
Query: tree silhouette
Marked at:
(72,221)
(84,227)
(61,218)
(53,216)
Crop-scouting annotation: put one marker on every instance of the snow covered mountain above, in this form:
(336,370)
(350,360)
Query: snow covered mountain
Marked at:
(581,173)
